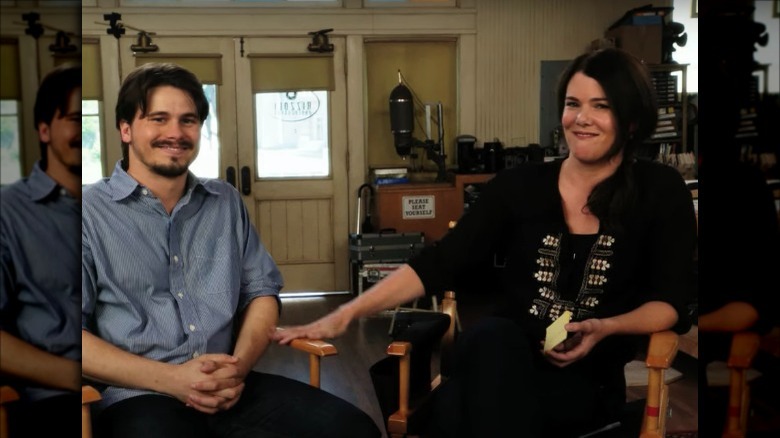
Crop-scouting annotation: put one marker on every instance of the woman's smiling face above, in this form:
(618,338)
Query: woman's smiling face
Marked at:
(588,122)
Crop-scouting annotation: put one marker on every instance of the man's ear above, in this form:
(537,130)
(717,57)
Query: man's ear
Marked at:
(44,132)
(124,132)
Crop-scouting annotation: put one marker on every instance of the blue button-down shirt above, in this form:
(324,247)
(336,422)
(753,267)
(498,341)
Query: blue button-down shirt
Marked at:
(167,287)
(40,278)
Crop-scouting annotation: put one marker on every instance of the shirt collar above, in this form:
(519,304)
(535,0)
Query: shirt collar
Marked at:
(123,185)
(41,185)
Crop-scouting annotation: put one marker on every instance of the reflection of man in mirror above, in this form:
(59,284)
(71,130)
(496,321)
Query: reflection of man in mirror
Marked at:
(40,279)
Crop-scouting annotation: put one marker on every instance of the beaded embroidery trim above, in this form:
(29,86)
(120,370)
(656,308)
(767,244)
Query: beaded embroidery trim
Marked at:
(548,304)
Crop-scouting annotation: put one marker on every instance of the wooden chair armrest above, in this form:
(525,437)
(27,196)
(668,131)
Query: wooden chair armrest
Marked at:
(662,349)
(399,349)
(314,346)
(744,347)
(8,394)
(316,349)
(88,395)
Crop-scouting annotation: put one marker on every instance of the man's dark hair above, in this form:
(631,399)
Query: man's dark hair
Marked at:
(630,93)
(54,95)
(137,86)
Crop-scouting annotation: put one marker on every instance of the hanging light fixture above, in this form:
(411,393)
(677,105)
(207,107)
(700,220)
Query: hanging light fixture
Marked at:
(144,44)
(62,44)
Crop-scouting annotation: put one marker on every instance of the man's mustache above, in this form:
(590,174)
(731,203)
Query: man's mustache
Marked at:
(184,144)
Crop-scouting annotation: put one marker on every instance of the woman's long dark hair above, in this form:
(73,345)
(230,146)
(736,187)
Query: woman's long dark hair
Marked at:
(629,91)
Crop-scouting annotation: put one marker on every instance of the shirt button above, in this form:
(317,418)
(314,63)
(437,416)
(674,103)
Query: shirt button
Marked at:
(195,354)
(145,192)
(180,295)
(192,327)
(176,259)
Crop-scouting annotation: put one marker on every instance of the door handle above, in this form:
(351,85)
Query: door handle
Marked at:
(246,180)
(230,175)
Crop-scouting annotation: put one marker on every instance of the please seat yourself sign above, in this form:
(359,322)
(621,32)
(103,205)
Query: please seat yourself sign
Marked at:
(419,207)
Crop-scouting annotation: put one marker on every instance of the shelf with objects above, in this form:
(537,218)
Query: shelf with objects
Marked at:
(669,142)
(650,34)
(754,148)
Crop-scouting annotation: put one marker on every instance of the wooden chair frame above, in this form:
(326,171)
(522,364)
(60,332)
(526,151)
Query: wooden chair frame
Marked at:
(7,395)
(660,354)
(744,347)
(315,348)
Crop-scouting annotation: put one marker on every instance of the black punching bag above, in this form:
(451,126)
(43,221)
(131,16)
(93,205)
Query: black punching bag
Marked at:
(402,119)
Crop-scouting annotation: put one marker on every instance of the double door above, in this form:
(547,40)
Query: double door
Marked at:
(302,220)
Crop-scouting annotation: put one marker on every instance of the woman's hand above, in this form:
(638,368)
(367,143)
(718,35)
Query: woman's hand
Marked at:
(587,334)
(329,326)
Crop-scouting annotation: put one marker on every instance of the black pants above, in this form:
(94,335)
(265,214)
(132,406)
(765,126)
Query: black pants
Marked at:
(58,416)
(501,386)
(270,406)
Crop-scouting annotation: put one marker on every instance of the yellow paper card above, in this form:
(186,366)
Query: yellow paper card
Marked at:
(555,331)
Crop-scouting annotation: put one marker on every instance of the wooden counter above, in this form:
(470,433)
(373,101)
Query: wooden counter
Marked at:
(423,207)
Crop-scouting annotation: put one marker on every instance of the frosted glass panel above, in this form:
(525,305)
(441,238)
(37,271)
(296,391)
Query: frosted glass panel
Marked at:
(292,134)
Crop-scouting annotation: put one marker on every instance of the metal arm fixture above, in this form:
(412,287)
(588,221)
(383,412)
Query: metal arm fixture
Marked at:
(116,29)
(34,29)
(319,41)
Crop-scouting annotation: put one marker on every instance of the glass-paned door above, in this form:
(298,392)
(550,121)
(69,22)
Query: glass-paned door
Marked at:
(10,162)
(293,150)
(91,167)
(292,134)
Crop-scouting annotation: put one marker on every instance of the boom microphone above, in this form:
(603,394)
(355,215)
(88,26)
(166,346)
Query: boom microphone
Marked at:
(402,119)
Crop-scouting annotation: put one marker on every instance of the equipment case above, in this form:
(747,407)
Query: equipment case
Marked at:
(384,247)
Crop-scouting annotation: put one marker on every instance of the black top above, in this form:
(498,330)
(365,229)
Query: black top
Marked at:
(744,253)
(548,270)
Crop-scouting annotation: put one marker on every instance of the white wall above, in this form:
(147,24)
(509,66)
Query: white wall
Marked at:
(688,54)
(770,54)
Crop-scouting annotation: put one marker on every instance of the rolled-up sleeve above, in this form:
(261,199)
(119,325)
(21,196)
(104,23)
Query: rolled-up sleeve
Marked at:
(259,274)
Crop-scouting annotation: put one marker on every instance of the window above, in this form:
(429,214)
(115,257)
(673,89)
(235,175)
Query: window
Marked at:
(200,3)
(207,163)
(10,120)
(10,161)
(292,134)
(408,3)
(292,114)
(91,167)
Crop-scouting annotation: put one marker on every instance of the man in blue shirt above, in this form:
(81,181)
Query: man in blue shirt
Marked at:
(40,344)
(179,294)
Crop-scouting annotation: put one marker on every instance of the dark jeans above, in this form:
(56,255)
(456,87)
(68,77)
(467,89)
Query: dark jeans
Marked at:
(270,406)
(501,386)
(58,416)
